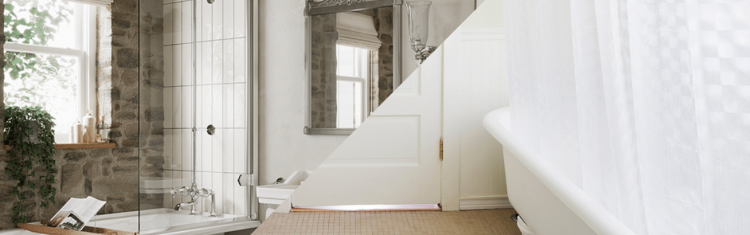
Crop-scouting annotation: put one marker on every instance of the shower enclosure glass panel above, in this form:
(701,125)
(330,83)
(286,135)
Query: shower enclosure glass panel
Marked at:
(194,141)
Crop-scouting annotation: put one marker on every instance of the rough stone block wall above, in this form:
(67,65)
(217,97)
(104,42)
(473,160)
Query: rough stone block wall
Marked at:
(384,26)
(112,174)
(323,69)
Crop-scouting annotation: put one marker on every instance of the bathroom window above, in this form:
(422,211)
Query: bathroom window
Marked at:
(50,52)
(351,88)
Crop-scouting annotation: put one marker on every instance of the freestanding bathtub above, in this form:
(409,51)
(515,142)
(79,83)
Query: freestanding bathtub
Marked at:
(165,221)
(546,200)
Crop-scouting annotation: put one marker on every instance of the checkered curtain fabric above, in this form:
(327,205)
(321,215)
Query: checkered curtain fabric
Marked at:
(644,104)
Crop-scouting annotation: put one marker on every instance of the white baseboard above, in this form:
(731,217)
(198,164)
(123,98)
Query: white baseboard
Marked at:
(484,202)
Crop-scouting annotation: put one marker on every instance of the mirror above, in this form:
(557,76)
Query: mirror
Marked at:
(353,61)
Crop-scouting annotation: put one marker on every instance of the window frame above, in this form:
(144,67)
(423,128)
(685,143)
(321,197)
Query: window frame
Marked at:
(85,18)
(366,86)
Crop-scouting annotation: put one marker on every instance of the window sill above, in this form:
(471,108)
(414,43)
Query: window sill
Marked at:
(79,146)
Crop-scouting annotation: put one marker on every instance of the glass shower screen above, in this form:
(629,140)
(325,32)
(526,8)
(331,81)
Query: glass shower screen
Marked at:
(194,140)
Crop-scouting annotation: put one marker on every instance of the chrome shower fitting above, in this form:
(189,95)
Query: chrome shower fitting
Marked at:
(193,192)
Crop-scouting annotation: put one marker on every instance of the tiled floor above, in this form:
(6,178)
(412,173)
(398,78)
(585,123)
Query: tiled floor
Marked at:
(407,222)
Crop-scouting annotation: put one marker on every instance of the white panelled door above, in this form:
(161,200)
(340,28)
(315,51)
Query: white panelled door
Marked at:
(393,157)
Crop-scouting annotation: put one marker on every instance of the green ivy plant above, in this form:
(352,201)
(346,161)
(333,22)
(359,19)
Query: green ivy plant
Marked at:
(27,152)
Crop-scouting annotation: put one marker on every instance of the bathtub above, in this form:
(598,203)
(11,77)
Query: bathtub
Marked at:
(166,222)
(546,200)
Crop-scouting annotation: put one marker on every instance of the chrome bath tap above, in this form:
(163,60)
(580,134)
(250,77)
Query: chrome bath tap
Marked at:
(194,193)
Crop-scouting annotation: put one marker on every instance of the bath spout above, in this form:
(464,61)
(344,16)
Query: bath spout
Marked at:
(192,204)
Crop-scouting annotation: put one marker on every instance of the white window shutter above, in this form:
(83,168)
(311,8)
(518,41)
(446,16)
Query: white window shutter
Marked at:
(101,3)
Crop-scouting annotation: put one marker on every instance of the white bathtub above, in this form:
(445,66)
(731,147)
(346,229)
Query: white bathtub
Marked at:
(546,200)
(166,222)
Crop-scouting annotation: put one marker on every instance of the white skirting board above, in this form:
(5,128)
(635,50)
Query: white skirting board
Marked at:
(485,202)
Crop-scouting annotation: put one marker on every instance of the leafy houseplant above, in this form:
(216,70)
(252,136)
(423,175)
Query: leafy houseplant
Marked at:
(28,130)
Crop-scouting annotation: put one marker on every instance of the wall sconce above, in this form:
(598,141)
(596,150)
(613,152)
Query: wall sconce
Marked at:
(419,16)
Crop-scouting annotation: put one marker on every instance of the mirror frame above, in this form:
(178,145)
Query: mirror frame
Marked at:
(313,8)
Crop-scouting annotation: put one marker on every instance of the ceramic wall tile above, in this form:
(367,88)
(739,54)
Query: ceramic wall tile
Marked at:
(239,60)
(207,150)
(205,101)
(240,7)
(228,188)
(177,65)
(176,23)
(187,107)
(187,149)
(227,147)
(217,18)
(240,100)
(228,61)
(217,150)
(187,64)
(200,164)
(187,21)
(218,188)
(228,105)
(205,63)
(217,114)
(199,66)
(199,20)
(217,57)
(177,107)
(207,21)
(239,154)
(228,21)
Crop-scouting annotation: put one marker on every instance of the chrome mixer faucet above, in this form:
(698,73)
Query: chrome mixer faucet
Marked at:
(194,193)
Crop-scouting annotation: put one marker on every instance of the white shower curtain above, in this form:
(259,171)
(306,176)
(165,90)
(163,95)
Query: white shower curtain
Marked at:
(644,104)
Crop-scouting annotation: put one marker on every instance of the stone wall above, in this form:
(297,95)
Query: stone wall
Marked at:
(112,174)
(323,69)
(384,25)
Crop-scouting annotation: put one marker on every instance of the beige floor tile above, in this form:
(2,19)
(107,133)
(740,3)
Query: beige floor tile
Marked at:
(402,223)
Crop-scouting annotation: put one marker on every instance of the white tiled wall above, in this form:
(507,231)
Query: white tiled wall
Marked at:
(215,95)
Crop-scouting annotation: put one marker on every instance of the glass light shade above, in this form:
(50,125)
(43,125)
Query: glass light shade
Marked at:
(419,15)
